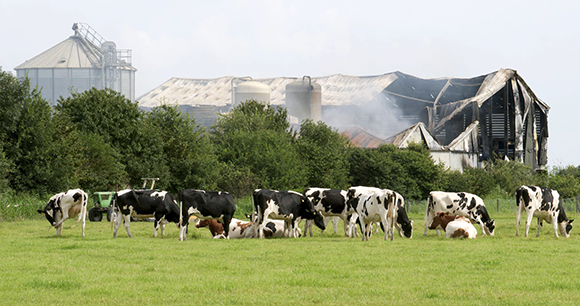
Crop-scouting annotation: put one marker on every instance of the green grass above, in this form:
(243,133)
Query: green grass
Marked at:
(41,269)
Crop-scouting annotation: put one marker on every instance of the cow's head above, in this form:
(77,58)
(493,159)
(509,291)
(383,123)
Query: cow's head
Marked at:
(52,208)
(489,227)
(565,227)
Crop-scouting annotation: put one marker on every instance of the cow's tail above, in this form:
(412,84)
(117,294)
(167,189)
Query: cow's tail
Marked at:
(430,204)
(179,197)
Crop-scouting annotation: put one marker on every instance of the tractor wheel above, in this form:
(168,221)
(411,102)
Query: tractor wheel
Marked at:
(95,215)
(109,213)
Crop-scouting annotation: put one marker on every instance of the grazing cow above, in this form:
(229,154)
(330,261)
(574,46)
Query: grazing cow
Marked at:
(143,204)
(205,205)
(373,205)
(244,229)
(330,203)
(544,204)
(64,205)
(402,223)
(283,205)
(460,204)
(454,226)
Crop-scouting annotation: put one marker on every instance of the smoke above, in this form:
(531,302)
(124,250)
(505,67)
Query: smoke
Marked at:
(380,114)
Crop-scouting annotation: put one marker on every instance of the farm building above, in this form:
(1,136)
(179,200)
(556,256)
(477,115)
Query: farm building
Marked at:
(463,121)
(80,62)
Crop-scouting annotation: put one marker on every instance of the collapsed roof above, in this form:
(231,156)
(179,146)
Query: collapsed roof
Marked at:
(492,115)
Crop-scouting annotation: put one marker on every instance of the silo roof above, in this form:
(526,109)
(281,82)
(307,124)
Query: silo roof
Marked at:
(70,53)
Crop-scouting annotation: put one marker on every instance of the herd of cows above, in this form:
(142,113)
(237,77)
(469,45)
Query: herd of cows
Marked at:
(277,213)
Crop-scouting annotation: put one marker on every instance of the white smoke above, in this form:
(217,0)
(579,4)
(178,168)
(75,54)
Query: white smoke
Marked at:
(380,116)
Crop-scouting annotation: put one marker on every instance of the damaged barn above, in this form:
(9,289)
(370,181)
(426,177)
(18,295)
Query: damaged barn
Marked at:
(491,116)
(463,121)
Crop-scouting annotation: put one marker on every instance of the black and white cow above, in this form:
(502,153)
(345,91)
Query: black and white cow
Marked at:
(330,203)
(142,204)
(205,205)
(544,204)
(402,223)
(373,205)
(459,204)
(64,205)
(283,205)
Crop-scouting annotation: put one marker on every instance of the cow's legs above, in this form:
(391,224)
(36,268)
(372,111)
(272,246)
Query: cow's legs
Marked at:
(59,230)
(226,220)
(555,224)
(482,227)
(183,230)
(127,225)
(334,224)
(529,218)
(363,229)
(83,216)
(540,224)
(428,221)
(518,217)
(307,227)
(118,220)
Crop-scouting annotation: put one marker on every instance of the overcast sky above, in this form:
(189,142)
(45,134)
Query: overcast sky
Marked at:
(272,38)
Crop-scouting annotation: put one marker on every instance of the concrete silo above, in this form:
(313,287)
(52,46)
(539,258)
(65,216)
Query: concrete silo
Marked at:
(79,63)
(304,99)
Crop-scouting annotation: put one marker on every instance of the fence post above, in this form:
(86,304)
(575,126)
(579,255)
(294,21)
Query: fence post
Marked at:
(497,205)
(577,207)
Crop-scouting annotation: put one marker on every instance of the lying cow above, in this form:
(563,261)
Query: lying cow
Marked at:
(544,204)
(244,229)
(454,226)
(460,204)
(205,205)
(64,205)
(143,204)
(284,205)
(330,203)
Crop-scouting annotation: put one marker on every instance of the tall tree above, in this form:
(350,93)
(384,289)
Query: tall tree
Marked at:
(257,137)
(188,153)
(323,151)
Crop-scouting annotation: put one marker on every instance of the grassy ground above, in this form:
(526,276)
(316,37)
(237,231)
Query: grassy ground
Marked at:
(41,269)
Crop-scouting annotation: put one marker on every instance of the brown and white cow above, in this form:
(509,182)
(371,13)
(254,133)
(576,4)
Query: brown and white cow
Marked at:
(460,204)
(454,226)
(64,205)
(544,204)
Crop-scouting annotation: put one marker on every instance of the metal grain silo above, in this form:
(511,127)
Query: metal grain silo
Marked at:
(304,99)
(250,90)
(81,62)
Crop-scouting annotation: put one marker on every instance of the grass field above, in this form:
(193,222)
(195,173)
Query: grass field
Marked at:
(41,269)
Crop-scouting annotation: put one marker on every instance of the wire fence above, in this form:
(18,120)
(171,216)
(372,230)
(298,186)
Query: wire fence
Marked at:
(493,205)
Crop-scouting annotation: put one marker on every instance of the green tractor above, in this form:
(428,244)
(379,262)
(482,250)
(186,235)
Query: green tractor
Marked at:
(103,201)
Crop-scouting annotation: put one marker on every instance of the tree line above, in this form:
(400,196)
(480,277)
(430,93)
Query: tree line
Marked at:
(97,140)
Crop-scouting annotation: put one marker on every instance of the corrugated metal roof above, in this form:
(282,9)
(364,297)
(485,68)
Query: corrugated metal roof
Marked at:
(361,138)
(415,134)
(70,53)
(336,90)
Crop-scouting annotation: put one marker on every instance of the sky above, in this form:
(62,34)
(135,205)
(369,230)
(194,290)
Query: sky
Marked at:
(275,38)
